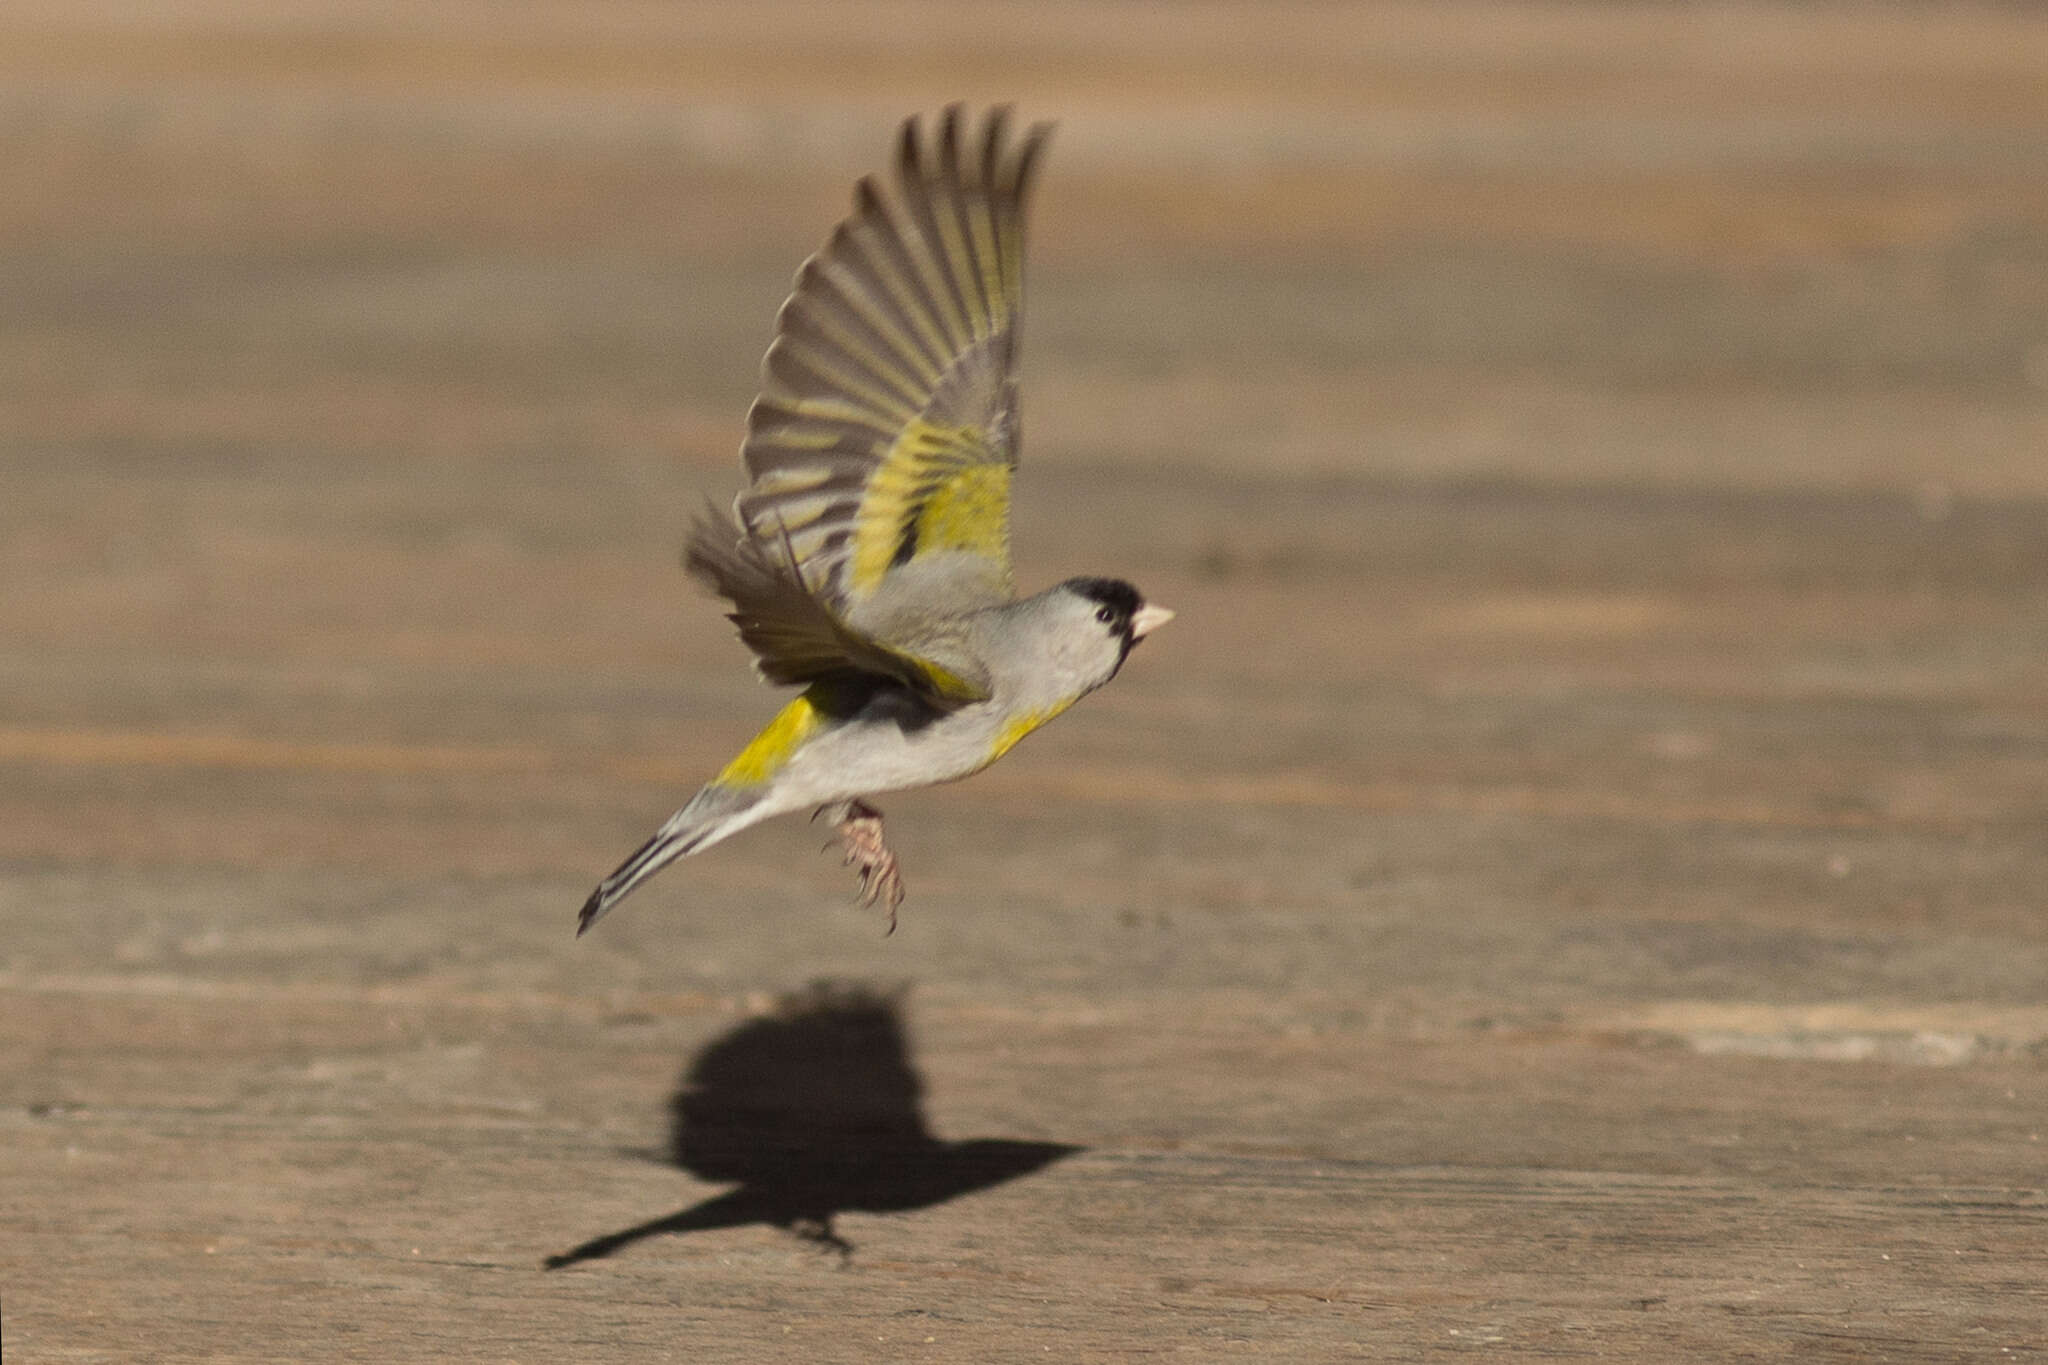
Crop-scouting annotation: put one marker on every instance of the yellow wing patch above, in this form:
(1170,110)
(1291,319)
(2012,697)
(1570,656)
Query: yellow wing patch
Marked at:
(768,751)
(970,511)
(887,421)
(938,680)
(937,488)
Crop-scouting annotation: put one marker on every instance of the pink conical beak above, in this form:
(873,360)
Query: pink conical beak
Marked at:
(1149,619)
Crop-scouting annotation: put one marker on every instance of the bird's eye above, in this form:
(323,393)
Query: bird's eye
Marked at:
(1105,614)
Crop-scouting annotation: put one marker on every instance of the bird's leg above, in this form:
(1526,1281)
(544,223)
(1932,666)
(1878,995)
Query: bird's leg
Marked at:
(820,1233)
(860,831)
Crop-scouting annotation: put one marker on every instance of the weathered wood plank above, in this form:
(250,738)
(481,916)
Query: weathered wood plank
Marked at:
(1568,885)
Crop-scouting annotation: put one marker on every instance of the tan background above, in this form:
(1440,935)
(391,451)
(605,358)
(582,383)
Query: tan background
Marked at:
(1569,884)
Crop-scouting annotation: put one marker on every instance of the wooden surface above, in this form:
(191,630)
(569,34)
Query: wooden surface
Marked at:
(1570,883)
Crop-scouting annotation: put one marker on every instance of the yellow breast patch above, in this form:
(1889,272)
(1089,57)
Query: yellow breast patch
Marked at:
(1020,726)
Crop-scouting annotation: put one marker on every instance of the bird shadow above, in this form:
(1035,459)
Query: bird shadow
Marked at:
(814,1110)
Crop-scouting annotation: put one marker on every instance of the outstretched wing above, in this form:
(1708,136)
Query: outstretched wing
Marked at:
(887,424)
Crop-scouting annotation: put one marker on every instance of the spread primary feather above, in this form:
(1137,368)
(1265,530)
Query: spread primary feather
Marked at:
(887,422)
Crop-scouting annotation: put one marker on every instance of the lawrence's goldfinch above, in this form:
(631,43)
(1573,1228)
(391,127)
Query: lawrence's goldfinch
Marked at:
(870,563)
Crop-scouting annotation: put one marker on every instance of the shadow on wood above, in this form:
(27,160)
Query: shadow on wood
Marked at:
(814,1110)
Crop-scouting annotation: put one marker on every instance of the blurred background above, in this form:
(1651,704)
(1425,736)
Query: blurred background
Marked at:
(1599,453)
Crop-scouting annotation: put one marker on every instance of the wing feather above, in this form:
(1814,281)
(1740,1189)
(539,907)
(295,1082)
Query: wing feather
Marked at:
(887,423)
(795,637)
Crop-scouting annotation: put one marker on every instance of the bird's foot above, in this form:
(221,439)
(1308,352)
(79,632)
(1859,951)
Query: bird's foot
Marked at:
(819,1232)
(860,831)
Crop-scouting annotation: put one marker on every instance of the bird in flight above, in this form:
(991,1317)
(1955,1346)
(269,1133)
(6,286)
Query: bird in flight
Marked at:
(868,561)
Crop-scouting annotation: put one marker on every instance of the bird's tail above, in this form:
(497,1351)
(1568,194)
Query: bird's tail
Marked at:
(713,813)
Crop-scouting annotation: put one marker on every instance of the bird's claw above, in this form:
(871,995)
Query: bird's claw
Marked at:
(881,880)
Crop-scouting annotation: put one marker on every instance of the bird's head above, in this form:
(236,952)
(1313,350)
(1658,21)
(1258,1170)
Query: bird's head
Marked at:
(1099,622)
